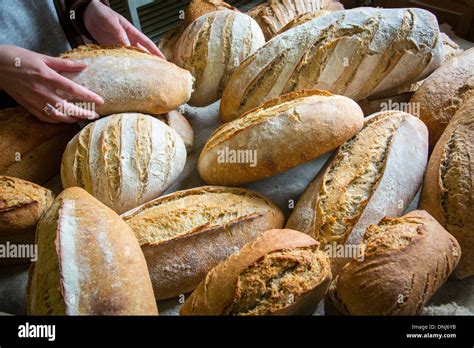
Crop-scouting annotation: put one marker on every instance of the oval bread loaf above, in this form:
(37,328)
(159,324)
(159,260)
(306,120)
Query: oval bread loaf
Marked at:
(282,272)
(130,80)
(375,174)
(31,149)
(124,160)
(212,47)
(89,262)
(180,124)
(354,53)
(448,186)
(406,260)
(22,204)
(198,8)
(255,146)
(184,234)
(443,93)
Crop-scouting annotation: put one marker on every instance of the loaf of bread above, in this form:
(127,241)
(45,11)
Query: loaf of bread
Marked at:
(21,205)
(375,174)
(31,149)
(168,42)
(274,14)
(443,92)
(282,272)
(448,193)
(184,234)
(255,146)
(89,262)
(212,47)
(180,124)
(130,80)
(198,8)
(301,19)
(406,260)
(124,160)
(354,53)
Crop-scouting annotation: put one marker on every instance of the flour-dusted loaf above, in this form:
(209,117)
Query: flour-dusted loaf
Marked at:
(448,193)
(180,124)
(31,149)
(279,135)
(274,14)
(282,272)
(22,204)
(373,175)
(124,160)
(130,80)
(354,53)
(89,262)
(198,8)
(301,19)
(184,234)
(212,47)
(406,260)
(444,91)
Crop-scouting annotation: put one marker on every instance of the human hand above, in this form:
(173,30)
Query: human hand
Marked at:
(108,27)
(32,79)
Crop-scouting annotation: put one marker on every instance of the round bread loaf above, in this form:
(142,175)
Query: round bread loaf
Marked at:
(212,47)
(124,160)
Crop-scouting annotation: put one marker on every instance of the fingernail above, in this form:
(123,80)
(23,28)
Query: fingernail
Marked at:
(100,100)
(93,117)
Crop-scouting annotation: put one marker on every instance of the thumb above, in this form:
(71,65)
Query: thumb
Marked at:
(60,64)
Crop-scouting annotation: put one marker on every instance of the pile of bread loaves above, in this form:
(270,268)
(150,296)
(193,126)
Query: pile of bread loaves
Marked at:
(112,244)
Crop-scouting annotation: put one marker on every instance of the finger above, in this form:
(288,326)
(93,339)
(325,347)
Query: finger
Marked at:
(80,111)
(75,90)
(139,38)
(38,113)
(119,33)
(64,65)
(57,115)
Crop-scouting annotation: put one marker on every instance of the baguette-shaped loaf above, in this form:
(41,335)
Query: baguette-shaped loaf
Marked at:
(282,272)
(443,92)
(130,80)
(184,234)
(274,14)
(448,193)
(124,160)
(406,260)
(89,262)
(256,145)
(375,174)
(212,47)
(354,53)
(31,149)
(22,204)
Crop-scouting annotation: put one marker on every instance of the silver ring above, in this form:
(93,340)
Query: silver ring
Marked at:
(47,109)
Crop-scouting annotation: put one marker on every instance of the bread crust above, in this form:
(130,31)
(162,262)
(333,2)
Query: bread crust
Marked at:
(310,123)
(180,124)
(89,262)
(178,263)
(447,192)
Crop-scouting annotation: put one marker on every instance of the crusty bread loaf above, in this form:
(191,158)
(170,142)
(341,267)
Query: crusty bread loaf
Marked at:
(180,124)
(354,53)
(21,205)
(130,80)
(31,149)
(406,260)
(89,262)
(282,272)
(212,47)
(274,14)
(124,160)
(301,19)
(198,8)
(444,91)
(310,123)
(375,174)
(448,192)
(184,234)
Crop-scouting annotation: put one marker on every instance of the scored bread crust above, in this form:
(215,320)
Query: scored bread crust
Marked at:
(443,93)
(198,8)
(355,53)
(308,123)
(217,291)
(396,182)
(447,192)
(89,262)
(403,267)
(178,264)
(130,80)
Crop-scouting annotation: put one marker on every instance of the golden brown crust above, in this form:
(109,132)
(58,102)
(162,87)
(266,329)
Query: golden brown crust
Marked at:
(91,50)
(391,280)
(221,292)
(197,8)
(180,124)
(448,186)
